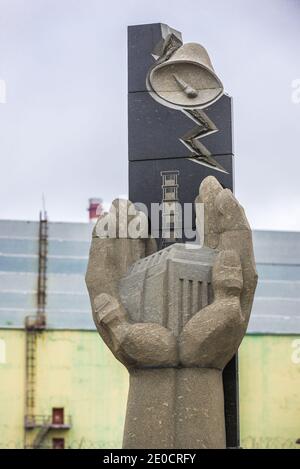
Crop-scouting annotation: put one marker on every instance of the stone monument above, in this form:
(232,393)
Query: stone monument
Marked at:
(175,318)
(179,132)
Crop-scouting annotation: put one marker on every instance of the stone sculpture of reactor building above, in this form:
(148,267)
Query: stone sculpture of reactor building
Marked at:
(176,317)
(168,287)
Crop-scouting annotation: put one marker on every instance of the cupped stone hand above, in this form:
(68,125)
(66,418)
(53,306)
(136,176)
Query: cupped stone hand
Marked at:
(212,336)
(175,397)
(139,344)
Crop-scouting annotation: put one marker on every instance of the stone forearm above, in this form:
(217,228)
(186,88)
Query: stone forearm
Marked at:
(175,408)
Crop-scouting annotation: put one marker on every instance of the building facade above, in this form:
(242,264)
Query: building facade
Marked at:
(77,390)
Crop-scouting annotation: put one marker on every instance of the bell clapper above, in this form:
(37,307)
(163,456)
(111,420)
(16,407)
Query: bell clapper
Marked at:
(188,90)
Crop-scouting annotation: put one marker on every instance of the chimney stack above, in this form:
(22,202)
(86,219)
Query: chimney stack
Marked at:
(95,209)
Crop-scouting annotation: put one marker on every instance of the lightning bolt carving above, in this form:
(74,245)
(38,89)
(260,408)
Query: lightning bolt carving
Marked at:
(200,153)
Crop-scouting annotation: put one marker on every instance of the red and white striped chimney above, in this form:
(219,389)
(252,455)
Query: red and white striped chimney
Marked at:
(95,208)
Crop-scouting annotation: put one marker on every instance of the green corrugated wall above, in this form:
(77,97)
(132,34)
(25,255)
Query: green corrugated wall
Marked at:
(76,371)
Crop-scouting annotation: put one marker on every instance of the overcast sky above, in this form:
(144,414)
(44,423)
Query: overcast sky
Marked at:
(63,129)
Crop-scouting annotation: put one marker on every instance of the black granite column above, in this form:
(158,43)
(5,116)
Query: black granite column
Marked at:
(154,147)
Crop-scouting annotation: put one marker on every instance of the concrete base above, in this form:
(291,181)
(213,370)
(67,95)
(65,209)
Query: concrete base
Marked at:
(175,408)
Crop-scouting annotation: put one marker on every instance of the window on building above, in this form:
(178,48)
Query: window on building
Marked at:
(58,443)
(170,193)
(58,416)
(170,178)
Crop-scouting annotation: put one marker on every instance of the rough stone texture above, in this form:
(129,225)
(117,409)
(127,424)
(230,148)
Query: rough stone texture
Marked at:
(226,228)
(175,349)
(175,408)
(168,287)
